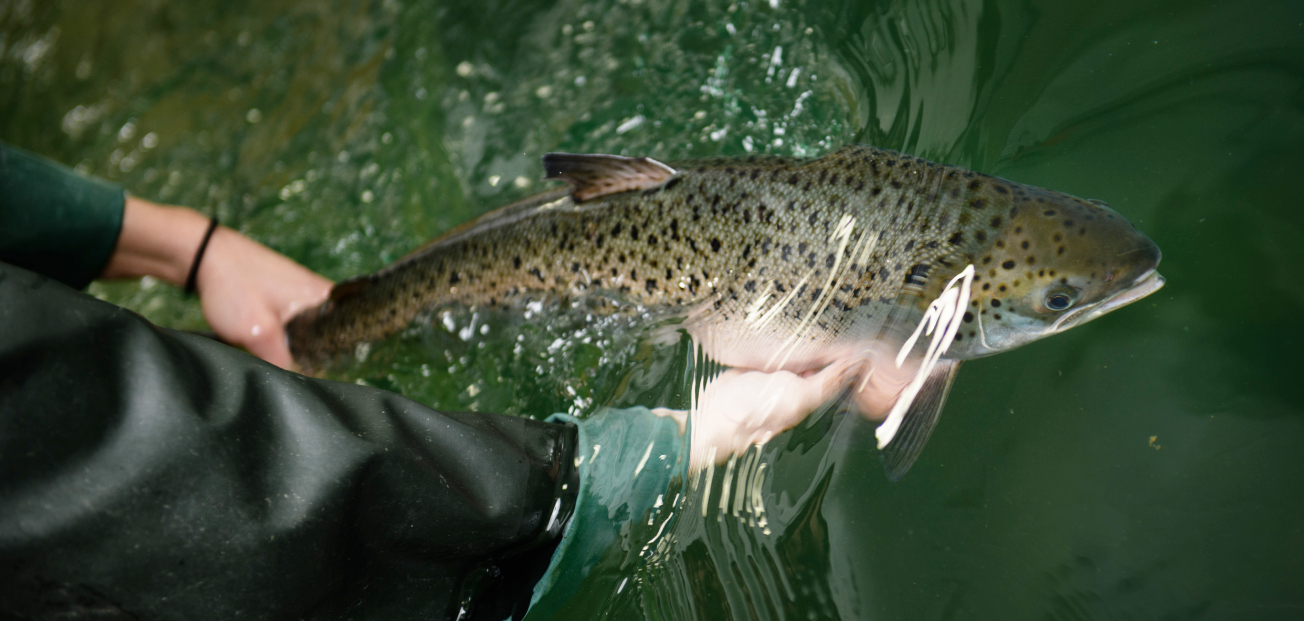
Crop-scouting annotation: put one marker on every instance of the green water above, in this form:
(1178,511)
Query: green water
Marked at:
(1149,465)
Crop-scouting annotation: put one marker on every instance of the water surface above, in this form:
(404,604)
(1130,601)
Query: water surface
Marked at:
(1147,465)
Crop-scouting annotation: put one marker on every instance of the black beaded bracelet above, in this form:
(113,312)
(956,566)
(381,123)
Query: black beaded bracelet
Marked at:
(199,256)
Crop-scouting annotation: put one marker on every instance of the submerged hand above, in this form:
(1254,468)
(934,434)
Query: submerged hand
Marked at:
(740,408)
(247,291)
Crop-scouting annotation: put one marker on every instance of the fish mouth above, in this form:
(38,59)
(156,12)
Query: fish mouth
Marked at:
(1146,284)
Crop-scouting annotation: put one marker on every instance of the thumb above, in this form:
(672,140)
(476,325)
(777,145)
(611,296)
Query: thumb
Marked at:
(267,341)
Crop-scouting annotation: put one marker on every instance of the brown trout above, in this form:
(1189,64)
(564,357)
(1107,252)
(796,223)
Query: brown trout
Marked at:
(807,267)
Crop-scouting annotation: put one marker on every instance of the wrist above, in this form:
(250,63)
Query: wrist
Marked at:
(156,240)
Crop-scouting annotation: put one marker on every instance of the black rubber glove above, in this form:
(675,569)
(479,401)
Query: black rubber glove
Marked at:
(151,474)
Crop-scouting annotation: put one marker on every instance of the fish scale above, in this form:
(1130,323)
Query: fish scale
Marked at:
(776,263)
(718,232)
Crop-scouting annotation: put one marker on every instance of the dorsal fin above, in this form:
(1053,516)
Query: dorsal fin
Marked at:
(917,426)
(591,176)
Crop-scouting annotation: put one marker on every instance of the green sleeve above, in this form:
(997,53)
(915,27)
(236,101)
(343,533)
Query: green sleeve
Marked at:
(54,221)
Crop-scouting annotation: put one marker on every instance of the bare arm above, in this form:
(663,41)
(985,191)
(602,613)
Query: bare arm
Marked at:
(247,291)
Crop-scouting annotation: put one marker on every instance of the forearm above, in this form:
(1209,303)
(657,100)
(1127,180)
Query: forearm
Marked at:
(156,240)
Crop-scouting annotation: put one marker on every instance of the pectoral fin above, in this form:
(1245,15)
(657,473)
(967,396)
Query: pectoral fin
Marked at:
(592,176)
(917,425)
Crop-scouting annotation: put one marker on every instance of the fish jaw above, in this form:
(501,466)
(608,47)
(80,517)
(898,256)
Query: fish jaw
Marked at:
(1145,285)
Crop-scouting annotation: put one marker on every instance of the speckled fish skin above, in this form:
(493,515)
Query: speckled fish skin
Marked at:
(776,262)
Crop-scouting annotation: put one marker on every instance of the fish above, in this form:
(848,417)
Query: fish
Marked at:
(799,270)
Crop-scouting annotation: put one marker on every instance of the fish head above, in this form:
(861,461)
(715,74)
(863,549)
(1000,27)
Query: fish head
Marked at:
(1054,261)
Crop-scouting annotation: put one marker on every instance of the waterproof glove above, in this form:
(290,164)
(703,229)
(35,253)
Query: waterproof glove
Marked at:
(628,460)
(151,474)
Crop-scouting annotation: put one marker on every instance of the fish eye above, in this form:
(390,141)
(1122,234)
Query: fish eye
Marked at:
(1058,300)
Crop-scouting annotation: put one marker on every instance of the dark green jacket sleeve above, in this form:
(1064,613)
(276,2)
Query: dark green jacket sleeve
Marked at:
(54,221)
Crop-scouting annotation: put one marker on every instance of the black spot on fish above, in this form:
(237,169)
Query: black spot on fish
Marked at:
(633,232)
(828,261)
(980,236)
(1024,244)
(1009,265)
(651,285)
(715,244)
(956,239)
(975,184)
(454,278)
(996,303)
(793,179)
(516,262)
(749,286)
(978,203)
(673,182)
(996,222)
(968,317)
(896,184)
(1060,250)
(1048,212)
(811,220)
(1000,188)
(785,252)
(537,274)
(575,267)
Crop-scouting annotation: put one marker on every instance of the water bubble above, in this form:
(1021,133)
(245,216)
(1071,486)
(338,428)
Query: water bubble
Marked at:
(521,182)
(494,179)
(465,69)
(367,196)
(543,91)
(127,131)
(386,138)
(149,141)
(254,115)
(630,123)
(421,93)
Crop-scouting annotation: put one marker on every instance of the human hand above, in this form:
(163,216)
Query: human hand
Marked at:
(246,290)
(740,407)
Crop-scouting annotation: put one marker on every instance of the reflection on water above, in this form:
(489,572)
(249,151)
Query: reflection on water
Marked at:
(347,135)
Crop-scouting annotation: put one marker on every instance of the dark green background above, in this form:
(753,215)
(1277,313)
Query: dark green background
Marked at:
(346,133)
